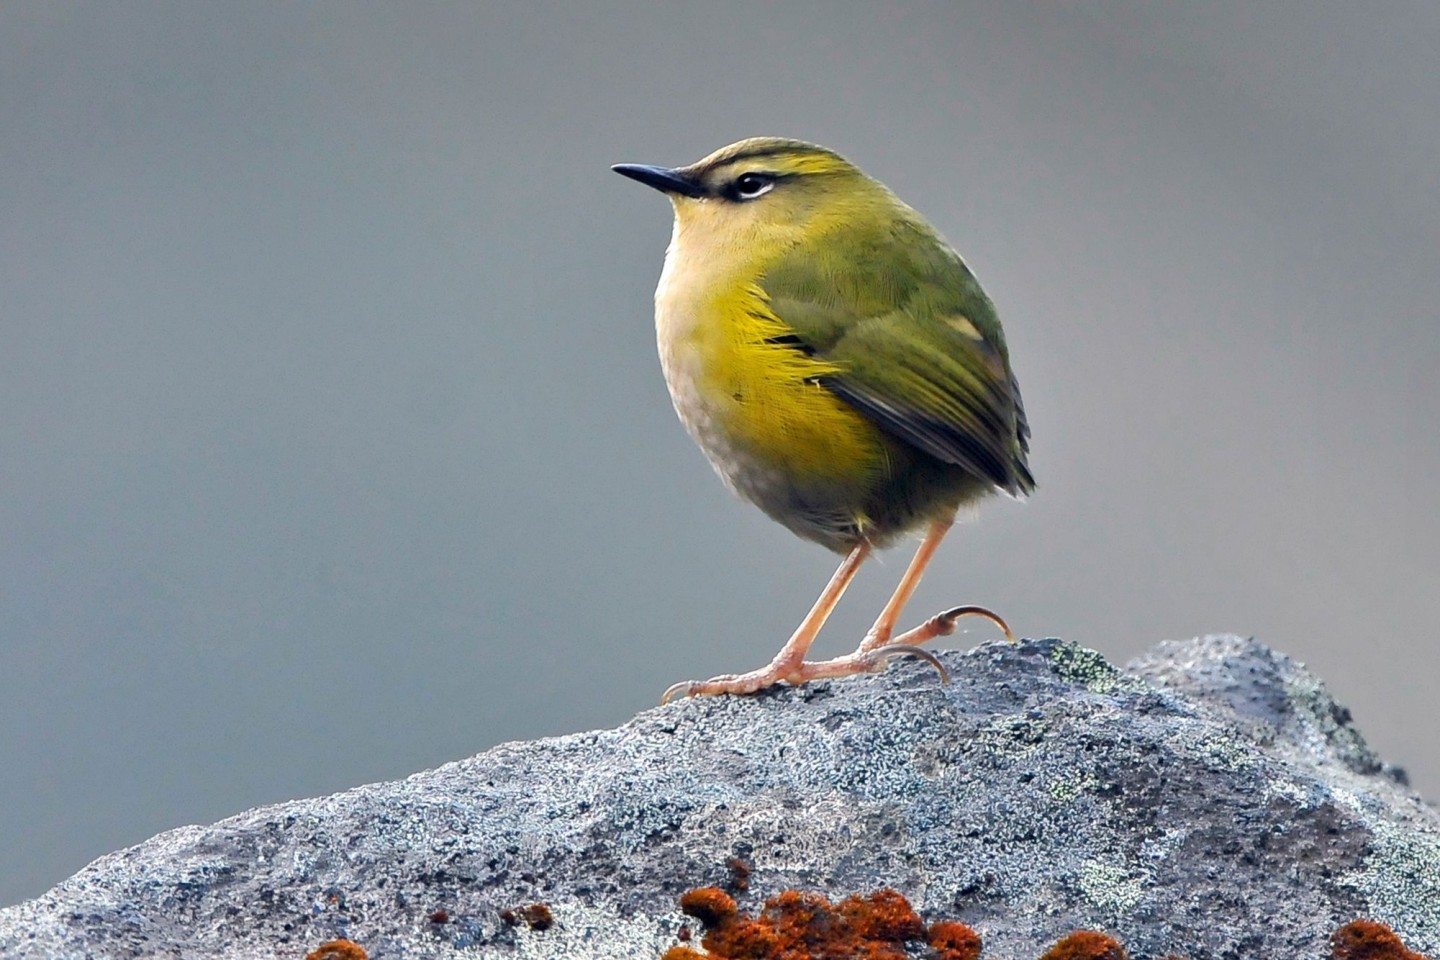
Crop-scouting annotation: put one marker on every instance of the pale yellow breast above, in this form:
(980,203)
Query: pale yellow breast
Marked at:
(753,406)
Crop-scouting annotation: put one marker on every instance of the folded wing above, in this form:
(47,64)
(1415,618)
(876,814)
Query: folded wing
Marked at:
(918,348)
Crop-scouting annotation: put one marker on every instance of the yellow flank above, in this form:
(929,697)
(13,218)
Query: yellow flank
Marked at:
(767,398)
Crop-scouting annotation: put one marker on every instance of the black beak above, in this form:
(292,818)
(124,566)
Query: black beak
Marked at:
(661,178)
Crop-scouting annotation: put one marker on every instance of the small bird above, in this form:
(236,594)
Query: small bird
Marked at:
(841,368)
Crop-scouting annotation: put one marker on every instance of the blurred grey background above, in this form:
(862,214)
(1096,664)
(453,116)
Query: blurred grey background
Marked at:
(334,445)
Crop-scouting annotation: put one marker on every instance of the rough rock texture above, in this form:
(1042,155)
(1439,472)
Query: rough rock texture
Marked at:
(1213,801)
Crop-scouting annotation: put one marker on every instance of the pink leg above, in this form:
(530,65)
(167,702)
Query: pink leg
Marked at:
(880,644)
(880,633)
(788,663)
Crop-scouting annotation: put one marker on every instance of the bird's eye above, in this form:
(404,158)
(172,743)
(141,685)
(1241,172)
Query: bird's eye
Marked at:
(748,186)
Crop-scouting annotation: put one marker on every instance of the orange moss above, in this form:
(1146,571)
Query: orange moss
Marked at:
(884,916)
(954,941)
(710,905)
(805,926)
(536,916)
(1368,940)
(739,874)
(338,950)
(1085,945)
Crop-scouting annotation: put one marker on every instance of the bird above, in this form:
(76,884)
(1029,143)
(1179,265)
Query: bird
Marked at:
(841,368)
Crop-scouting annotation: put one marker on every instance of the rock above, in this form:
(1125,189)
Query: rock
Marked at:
(1211,802)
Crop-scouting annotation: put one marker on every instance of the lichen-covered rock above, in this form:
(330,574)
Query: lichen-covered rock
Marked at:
(1213,801)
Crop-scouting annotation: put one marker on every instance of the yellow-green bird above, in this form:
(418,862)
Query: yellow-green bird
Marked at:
(839,365)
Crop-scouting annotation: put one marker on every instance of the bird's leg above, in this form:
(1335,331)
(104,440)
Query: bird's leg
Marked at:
(880,644)
(884,627)
(940,625)
(788,663)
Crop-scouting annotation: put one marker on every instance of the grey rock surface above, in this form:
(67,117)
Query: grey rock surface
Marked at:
(1210,801)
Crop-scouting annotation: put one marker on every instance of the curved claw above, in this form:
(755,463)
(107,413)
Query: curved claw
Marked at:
(684,685)
(896,649)
(945,622)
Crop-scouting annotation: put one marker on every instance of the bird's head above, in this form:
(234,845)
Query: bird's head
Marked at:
(762,190)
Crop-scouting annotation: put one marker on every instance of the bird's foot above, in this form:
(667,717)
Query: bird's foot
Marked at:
(871,657)
(872,661)
(737,683)
(756,680)
(940,625)
(876,650)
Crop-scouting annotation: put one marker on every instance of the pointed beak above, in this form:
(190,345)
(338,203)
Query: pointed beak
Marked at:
(661,178)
